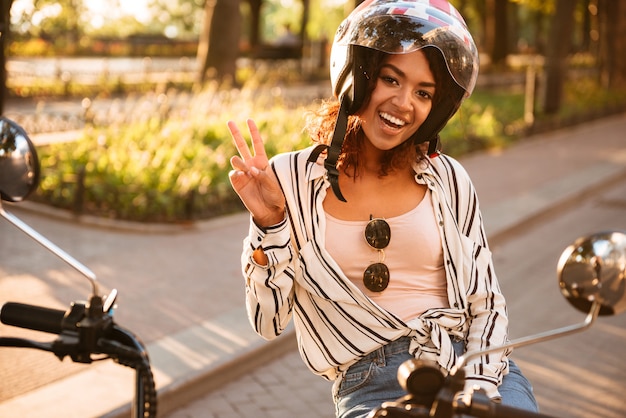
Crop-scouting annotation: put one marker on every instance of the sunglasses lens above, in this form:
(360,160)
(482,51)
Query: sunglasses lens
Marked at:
(376,277)
(378,233)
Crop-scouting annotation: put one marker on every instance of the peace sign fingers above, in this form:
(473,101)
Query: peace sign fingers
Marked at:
(251,179)
(247,160)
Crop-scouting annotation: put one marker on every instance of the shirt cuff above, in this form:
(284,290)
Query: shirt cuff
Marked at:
(490,388)
(273,240)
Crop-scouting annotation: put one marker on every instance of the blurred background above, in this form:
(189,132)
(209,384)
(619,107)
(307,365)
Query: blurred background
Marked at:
(128,100)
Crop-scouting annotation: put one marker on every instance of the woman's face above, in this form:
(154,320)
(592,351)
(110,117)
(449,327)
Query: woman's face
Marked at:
(400,102)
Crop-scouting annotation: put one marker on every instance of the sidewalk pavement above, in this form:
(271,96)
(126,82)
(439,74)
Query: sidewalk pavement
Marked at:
(181,289)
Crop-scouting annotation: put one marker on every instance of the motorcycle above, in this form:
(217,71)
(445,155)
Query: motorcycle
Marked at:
(87,331)
(591,276)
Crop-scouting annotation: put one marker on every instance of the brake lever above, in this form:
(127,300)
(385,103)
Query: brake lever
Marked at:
(82,329)
(109,302)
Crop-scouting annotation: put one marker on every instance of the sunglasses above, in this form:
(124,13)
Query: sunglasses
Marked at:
(377,235)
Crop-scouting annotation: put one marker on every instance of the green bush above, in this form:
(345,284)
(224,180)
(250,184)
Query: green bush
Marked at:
(163,169)
(487,120)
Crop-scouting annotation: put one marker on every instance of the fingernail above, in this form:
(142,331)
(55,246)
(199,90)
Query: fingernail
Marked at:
(255,171)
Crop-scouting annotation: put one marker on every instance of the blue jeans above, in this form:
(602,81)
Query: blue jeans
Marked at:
(373,380)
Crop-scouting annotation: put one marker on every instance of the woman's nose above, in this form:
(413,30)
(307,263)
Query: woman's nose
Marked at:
(402,99)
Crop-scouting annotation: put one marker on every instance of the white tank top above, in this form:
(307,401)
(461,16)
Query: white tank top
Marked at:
(414,256)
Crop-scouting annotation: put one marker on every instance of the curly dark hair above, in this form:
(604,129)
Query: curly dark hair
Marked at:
(320,123)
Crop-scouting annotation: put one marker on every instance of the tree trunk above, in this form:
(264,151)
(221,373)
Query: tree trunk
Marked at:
(304,21)
(612,15)
(496,30)
(585,28)
(255,23)
(500,46)
(218,45)
(559,44)
(4,33)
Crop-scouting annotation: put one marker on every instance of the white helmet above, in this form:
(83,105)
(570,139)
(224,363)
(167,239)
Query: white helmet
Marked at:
(400,27)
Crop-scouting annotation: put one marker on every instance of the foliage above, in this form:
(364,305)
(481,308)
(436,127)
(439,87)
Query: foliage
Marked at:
(162,168)
(325,18)
(487,120)
(585,95)
(36,47)
(543,6)
(49,19)
(180,18)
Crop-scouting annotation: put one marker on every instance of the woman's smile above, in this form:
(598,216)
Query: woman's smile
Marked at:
(392,121)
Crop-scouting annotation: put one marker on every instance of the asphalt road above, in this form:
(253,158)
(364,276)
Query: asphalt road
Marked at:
(577,376)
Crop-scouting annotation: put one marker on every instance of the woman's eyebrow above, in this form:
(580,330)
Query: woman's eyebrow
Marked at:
(403,75)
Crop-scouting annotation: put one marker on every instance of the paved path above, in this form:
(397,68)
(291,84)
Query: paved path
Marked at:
(181,290)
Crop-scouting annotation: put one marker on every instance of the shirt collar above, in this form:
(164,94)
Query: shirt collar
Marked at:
(317,170)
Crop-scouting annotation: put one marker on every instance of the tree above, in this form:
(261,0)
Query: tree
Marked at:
(559,46)
(612,15)
(538,13)
(59,21)
(218,45)
(496,30)
(255,21)
(4,33)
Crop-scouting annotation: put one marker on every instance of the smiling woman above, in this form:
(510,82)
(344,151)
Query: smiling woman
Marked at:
(422,284)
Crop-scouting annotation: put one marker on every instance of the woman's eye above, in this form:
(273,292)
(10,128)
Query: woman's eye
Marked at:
(424,94)
(389,79)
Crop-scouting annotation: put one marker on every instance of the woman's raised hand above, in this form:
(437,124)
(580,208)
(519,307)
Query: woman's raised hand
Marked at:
(253,179)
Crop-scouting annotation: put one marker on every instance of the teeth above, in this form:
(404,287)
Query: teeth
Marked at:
(392,119)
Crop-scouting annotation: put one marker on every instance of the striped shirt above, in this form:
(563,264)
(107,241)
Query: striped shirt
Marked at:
(335,323)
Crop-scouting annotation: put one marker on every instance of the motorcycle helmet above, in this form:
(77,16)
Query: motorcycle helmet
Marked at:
(399,27)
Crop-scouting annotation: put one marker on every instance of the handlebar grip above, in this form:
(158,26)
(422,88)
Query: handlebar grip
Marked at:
(32,317)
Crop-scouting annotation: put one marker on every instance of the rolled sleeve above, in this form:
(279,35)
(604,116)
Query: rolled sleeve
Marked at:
(273,240)
(269,288)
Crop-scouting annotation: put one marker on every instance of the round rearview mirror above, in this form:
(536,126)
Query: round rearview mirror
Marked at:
(19,165)
(592,269)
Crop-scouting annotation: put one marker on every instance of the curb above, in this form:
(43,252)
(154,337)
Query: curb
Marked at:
(99,222)
(194,386)
(523,224)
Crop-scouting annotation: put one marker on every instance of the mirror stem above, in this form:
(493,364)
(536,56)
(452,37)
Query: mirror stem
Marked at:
(532,339)
(51,247)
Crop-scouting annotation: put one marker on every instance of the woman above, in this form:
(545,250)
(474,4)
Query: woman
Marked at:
(421,284)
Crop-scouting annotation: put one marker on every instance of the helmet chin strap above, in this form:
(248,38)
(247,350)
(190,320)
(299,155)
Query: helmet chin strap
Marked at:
(334,150)
(434,147)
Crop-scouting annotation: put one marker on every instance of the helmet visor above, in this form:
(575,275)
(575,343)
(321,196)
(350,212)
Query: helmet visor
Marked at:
(397,30)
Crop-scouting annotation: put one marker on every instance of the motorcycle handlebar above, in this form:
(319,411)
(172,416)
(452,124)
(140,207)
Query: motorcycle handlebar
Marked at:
(481,407)
(32,317)
(84,331)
